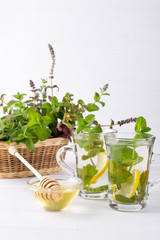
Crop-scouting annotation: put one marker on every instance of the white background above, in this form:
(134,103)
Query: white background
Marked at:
(95,42)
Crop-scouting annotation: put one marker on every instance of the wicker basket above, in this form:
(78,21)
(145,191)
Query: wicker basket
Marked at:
(43,159)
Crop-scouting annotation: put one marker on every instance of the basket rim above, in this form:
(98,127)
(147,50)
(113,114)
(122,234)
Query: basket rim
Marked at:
(47,142)
(27,174)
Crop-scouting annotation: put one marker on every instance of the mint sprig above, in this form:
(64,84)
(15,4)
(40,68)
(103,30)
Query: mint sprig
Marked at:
(141,128)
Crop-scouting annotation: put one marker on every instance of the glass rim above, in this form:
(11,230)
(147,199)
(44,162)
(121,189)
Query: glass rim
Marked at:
(107,130)
(121,137)
(57,177)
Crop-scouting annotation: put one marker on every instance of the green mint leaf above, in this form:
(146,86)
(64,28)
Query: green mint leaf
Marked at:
(42,133)
(2,98)
(81,125)
(141,125)
(44,81)
(123,199)
(19,96)
(96,129)
(146,129)
(90,119)
(103,91)
(125,155)
(16,135)
(132,162)
(67,99)
(88,172)
(33,114)
(44,96)
(96,97)
(94,151)
(85,157)
(5,109)
(146,135)
(2,136)
(143,181)
(46,109)
(142,135)
(80,173)
(17,138)
(34,119)
(46,105)
(96,189)
(91,107)
(2,125)
(45,120)
(11,103)
(83,143)
(81,102)
(29,143)
(119,176)
(19,105)
(17,113)
(116,153)
(38,124)
(84,124)
(102,103)
(54,101)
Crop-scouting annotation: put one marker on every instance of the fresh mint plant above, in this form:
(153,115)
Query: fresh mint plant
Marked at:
(42,115)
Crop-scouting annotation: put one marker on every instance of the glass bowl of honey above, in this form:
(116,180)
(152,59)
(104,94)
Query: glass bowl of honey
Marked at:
(59,198)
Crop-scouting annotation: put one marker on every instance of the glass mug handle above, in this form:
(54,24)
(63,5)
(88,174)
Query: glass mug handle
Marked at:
(61,159)
(152,183)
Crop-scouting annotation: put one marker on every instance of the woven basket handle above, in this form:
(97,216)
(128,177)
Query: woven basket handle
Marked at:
(61,159)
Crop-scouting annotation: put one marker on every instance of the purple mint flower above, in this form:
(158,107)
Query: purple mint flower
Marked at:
(84,105)
(50,98)
(30,104)
(37,95)
(105,86)
(32,84)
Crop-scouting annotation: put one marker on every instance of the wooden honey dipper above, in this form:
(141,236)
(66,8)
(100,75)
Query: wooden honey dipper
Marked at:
(45,182)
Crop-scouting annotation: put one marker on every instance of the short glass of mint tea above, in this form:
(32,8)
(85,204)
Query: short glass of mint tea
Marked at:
(91,162)
(129,160)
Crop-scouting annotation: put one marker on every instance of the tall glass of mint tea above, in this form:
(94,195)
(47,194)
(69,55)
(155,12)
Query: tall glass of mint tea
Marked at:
(129,160)
(91,162)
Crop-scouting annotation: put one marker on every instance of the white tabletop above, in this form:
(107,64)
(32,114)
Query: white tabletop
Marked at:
(22,218)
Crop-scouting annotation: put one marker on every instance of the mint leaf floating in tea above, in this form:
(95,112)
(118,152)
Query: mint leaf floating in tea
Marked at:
(125,155)
(143,181)
(88,172)
(96,189)
(119,175)
(124,199)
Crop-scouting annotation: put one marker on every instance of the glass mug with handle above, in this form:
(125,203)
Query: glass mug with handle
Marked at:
(129,161)
(91,162)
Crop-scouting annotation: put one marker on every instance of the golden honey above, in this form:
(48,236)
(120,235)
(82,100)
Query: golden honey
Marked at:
(56,200)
